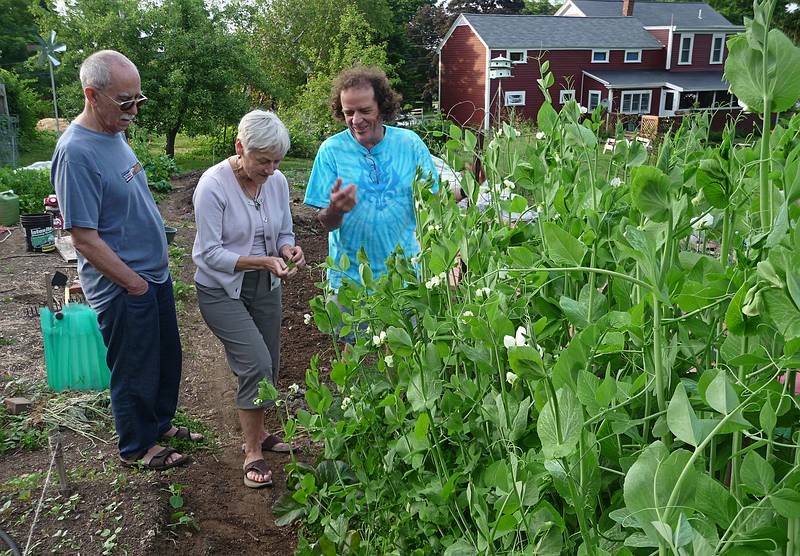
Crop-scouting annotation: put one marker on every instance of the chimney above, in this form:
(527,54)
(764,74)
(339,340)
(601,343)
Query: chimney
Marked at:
(627,8)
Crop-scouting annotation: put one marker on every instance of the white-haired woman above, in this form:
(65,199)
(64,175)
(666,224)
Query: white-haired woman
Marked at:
(243,249)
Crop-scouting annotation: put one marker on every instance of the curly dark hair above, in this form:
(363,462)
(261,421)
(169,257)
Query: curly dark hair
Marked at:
(364,76)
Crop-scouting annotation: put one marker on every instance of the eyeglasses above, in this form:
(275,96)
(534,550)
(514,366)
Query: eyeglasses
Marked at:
(374,172)
(126,105)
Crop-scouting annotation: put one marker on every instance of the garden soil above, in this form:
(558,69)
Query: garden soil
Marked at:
(111,510)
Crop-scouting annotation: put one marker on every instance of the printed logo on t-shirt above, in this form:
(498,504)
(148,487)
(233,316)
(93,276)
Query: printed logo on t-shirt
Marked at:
(132,171)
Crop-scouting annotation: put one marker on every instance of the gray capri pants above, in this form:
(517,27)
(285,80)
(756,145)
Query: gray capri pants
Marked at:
(250,330)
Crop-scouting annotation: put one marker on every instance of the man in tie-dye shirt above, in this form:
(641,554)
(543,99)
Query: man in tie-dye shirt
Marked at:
(362,177)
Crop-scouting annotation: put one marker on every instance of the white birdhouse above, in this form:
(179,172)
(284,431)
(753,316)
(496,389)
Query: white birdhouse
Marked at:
(499,67)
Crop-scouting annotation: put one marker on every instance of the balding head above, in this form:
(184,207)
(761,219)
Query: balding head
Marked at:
(96,70)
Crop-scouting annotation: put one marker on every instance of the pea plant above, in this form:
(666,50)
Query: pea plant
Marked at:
(593,383)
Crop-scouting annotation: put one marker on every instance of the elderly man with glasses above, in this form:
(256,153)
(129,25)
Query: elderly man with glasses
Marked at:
(362,177)
(122,260)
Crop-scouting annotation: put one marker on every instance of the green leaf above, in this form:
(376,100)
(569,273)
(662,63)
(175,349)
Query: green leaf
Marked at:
(721,396)
(560,437)
(649,483)
(287,509)
(767,417)
(757,474)
(651,193)
(421,426)
(399,341)
(424,390)
(683,421)
(176,501)
(563,248)
(786,502)
(744,71)
(547,118)
(715,501)
(460,548)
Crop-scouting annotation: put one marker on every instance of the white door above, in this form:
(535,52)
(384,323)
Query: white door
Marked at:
(669,102)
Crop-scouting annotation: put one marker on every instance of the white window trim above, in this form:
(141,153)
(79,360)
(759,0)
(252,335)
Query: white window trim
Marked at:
(561,94)
(508,93)
(689,36)
(714,37)
(589,99)
(608,56)
(638,59)
(639,92)
(520,50)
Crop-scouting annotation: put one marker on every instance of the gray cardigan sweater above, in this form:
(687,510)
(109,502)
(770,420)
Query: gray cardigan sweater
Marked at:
(226,223)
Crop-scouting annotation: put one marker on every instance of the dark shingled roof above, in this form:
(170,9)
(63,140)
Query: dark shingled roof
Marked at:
(551,32)
(658,14)
(685,80)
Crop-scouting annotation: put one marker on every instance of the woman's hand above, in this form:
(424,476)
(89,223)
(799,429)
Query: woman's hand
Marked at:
(277,266)
(294,254)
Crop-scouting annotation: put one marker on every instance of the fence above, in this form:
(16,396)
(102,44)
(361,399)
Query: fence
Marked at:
(9,154)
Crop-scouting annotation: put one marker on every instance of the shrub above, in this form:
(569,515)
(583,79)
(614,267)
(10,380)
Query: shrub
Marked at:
(23,103)
(158,167)
(32,186)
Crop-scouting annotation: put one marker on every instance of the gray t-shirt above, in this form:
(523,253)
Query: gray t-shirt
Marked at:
(101,185)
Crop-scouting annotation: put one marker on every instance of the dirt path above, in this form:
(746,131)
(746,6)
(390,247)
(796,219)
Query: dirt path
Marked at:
(231,518)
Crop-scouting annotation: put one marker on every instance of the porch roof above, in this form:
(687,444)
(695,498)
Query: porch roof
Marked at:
(678,81)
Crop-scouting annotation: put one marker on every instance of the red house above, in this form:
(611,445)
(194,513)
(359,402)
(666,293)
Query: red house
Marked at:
(658,58)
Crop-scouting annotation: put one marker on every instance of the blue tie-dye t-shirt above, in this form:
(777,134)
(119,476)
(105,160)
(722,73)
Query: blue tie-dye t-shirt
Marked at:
(383,217)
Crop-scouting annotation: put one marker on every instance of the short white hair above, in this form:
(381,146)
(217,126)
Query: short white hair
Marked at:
(96,69)
(262,130)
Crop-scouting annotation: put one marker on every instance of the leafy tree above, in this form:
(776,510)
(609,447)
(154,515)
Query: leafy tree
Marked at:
(194,66)
(23,102)
(426,29)
(736,10)
(310,114)
(539,7)
(17,31)
(486,6)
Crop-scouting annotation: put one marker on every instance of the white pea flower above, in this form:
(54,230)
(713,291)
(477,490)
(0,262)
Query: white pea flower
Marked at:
(509,184)
(389,360)
(702,222)
(307,318)
(511,378)
(540,349)
(379,339)
(540,135)
(584,110)
(503,274)
(482,292)
(514,132)
(346,402)
(433,282)
(294,389)
(500,132)
(516,341)
(616,182)
(418,204)
(468,314)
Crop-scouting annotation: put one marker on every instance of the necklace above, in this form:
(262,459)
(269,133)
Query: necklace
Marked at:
(240,176)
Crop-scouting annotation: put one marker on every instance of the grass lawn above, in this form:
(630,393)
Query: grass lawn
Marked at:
(41,149)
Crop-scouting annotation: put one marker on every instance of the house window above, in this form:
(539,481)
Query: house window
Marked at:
(705,100)
(517,56)
(594,100)
(633,56)
(636,102)
(599,56)
(566,95)
(515,98)
(685,55)
(717,48)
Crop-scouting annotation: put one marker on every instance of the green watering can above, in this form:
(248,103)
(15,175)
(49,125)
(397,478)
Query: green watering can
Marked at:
(74,352)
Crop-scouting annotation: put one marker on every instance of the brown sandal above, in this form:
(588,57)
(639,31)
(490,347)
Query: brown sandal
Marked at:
(182,433)
(159,461)
(269,443)
(260,467)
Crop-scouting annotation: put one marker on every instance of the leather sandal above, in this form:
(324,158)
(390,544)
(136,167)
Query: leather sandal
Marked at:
(182,433)
(260,467)
(269,443)
(158,462)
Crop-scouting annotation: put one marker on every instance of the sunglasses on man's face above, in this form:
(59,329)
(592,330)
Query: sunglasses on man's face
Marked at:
(126,105)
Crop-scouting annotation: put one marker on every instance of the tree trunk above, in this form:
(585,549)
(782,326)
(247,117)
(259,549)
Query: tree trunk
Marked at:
(171,134)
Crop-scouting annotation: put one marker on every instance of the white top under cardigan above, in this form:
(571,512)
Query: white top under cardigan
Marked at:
(226,222)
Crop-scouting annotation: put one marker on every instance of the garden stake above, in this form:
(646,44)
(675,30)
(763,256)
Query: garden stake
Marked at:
(56,446)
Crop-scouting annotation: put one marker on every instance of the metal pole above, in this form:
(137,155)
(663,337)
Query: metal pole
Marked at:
(55,102)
